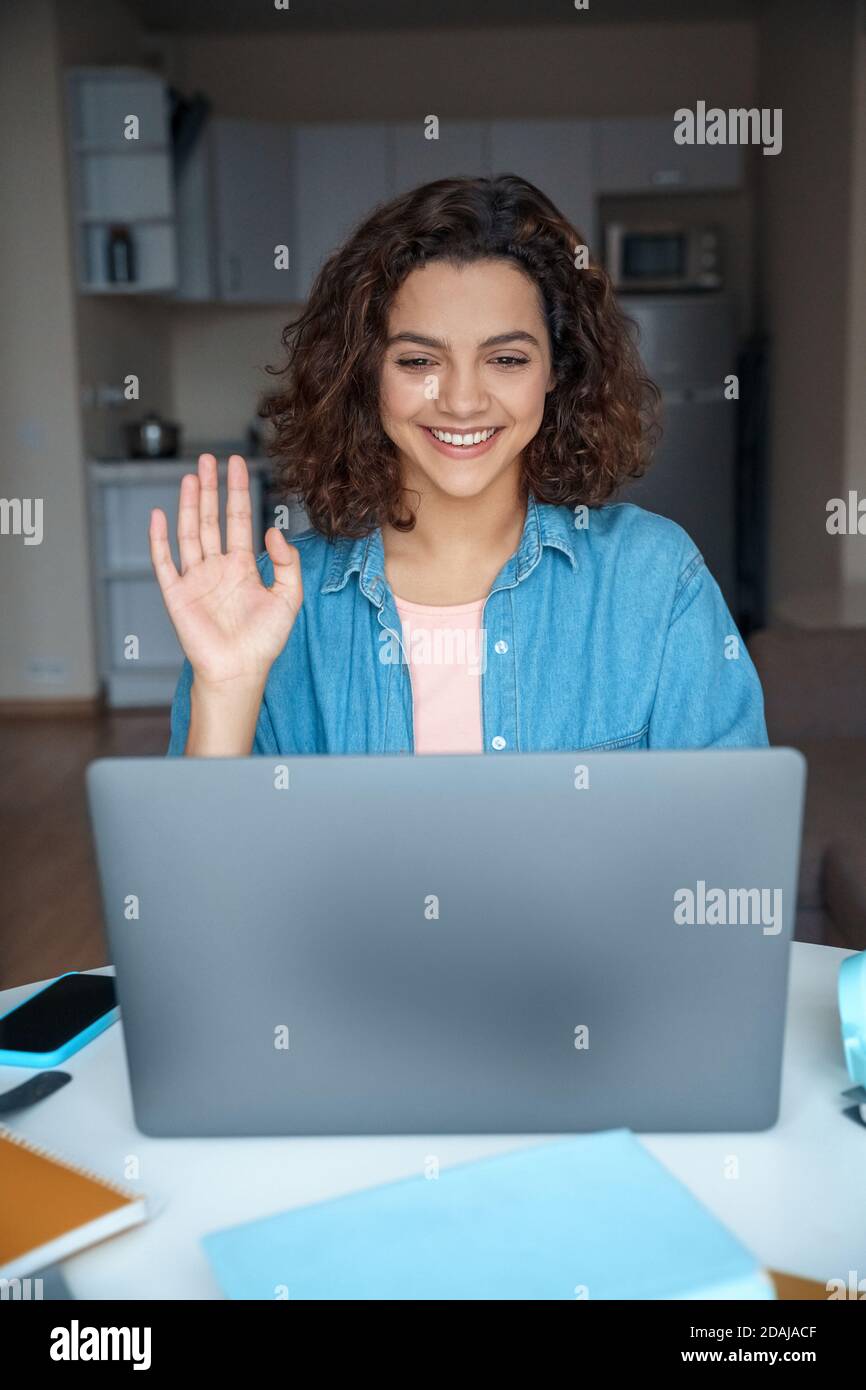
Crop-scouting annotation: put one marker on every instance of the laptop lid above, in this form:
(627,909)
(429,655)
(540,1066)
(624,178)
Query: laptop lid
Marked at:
(534,943)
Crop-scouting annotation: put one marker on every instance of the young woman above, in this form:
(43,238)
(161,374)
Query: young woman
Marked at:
(460,402)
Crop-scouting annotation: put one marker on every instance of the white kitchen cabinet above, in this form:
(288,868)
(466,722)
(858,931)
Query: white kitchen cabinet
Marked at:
(251,186)
(196,230)
(235,197)
(554,155)
(340,174)
(462,147)
(640,155)
(128,599)
(135,608)
(248,187)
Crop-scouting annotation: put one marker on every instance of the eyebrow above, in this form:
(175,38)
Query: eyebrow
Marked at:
(519,335)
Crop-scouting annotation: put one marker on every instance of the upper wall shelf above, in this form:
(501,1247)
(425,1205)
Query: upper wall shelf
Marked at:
(120,164)
(257,206)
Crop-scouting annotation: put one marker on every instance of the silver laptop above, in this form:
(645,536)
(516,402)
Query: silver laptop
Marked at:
(530,943)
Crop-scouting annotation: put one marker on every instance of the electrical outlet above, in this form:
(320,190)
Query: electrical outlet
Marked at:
(45,671)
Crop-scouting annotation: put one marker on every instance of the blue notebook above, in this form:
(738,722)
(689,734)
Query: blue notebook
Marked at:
(594,1216)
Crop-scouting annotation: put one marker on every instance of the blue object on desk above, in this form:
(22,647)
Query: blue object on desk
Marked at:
(593,1216)
(18,1057)
(852,1013)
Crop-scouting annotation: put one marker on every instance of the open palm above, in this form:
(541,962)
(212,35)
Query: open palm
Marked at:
(230,625)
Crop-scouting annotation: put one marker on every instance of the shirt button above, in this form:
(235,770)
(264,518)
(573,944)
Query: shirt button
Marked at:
(501,647)
(498,742)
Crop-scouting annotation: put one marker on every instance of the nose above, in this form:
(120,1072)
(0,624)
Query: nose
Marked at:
(462,392)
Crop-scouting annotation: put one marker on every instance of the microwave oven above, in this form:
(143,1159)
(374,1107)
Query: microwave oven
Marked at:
(663,256)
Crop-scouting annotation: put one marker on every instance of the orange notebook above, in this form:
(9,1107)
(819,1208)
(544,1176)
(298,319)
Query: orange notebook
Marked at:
(50,1209)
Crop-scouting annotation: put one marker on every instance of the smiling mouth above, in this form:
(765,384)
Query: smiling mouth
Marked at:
(463,439)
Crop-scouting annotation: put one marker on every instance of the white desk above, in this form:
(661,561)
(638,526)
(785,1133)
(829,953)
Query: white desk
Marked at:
(799,1201)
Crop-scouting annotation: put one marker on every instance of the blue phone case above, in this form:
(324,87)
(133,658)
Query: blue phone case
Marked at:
(71,1046)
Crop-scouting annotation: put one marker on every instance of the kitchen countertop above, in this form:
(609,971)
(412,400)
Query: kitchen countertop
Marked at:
(131,470)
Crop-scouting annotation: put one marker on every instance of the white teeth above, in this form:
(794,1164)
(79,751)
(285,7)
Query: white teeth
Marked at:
(479,437)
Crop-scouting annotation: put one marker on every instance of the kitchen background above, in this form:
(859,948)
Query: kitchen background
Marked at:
(263,126)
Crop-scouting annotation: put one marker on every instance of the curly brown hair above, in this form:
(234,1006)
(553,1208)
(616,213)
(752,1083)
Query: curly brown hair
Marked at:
(600,420)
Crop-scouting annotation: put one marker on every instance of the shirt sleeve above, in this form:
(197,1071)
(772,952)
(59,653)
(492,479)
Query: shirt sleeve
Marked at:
(265,741)
(708,694)
(180,713)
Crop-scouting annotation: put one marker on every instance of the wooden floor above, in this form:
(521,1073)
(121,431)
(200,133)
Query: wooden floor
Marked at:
(51,917)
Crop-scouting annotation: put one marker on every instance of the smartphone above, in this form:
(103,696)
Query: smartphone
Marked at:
(58,1020)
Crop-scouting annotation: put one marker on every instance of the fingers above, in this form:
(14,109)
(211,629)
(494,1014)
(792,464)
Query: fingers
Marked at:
(160,551)
(198,515)
(209,506)
(239,514)
(287,567)
(188,528)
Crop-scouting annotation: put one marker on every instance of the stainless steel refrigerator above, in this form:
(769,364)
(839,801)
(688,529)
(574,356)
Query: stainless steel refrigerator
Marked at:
(688,346)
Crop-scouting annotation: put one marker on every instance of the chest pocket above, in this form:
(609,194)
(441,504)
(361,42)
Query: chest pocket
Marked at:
(639,739)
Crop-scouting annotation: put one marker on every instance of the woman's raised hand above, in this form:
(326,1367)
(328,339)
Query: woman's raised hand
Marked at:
(230,625)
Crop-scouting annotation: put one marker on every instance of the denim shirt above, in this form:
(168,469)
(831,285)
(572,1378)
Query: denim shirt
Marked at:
(605,630)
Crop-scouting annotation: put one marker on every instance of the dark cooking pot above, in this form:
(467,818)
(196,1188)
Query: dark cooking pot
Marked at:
(152,438)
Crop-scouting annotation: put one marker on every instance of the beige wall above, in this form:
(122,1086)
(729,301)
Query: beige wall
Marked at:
(807,69)
(585,70)
(118,337)
(45,616)
(55,343)
(218,360)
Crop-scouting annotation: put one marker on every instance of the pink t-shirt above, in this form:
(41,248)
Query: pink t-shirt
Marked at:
(446,652)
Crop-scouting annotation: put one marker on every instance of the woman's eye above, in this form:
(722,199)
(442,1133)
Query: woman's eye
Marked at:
(421,364)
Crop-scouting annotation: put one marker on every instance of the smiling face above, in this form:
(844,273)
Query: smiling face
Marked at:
(466,369)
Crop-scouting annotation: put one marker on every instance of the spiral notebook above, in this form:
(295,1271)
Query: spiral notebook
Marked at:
(50,1209)
(596,1216)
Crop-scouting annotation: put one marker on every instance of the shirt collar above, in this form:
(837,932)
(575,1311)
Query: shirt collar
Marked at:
(544,526)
